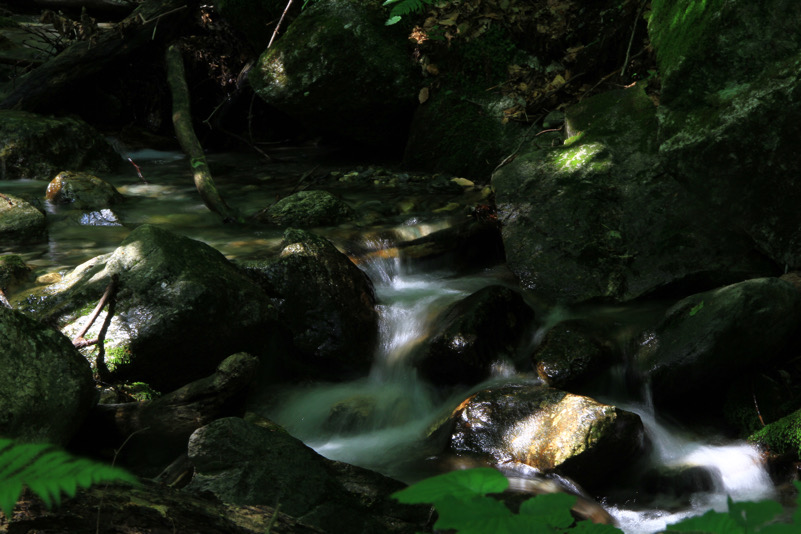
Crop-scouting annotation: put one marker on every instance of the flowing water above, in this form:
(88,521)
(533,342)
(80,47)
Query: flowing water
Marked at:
(377,421)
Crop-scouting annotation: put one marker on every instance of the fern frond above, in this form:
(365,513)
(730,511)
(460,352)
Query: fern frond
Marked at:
(48,472)
(404,7)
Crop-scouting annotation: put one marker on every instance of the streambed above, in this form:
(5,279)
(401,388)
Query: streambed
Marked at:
(398,406)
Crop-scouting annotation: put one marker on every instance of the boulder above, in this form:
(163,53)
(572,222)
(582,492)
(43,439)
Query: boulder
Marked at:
(474,335)
(242,463)
(549,430)
(46,387)
(598,218)
(180,309)
(82,191)
(364,92)
(38,147)
(13,272)
(307,209)
(705,341)
(569,354)
(20,221)
(731,90)
(325,301)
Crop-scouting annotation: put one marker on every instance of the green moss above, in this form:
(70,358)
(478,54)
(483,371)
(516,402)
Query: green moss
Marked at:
(783,436)
(141,391)
(676,26)
(117,356)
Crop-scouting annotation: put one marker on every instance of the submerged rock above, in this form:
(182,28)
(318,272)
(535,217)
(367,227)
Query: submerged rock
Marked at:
(707,340)
(20,221)
(307,209)
(181,308)
(475,334)
(325,301)
(549,430)
(82,191)
(37,147)
(46,386)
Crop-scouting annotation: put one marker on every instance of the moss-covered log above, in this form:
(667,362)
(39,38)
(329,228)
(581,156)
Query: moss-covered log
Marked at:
(182,120)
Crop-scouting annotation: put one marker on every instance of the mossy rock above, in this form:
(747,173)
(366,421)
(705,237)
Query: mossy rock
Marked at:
(82,191)
(21,221)
(38,147)
(782,436)
(13,271)
(308,209)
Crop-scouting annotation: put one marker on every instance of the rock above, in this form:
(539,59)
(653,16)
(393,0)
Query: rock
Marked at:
(549,430)
(46,387)
(326,303)
(38,147)
(181,309)
(155,432)
(568,354)
(307,209)
(13,272)
(241,463)
(597,218)
(707,340)
(365,92)
(20,221)
(730,93)
(82,191)
(475,334)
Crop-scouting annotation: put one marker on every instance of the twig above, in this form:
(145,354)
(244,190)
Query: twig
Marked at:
(278,26)
(138,171)
(753,396)
(273,519)
(110,288)
(631,39)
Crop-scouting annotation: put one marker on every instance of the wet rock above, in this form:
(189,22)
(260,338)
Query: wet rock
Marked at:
(474,334)
(20,221)
(325,301)
(549,430)
(82,191)
(707,340)
(38,147)
(13,272)
(730,93)
(598,218)
(568,354)
(180,309)
(242,463)
(680,481)
(46,387)
(307,209)
(365,92)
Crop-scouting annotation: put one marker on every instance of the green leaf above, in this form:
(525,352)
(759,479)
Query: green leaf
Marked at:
(588,527)
(392,20)
(712,521)
(483,515)
(752,515)
(197,162)
(551,508)
(458,484)
(48,472)
(695,309)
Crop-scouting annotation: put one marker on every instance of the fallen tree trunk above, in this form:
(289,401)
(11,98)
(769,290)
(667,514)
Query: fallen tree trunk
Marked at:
(151,20)
(185,132)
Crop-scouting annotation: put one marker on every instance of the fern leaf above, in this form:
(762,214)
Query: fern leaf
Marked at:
(48,472)
(404,7)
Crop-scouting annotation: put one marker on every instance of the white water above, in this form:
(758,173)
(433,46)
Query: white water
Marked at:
(397,408)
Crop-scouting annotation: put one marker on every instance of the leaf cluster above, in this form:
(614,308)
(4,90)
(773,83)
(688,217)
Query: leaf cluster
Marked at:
(404,7)
(48,472)
(462,502)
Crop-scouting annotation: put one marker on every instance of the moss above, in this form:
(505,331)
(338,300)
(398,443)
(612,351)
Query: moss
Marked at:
(117,356)
(141,391)
(676,27)
(781,437)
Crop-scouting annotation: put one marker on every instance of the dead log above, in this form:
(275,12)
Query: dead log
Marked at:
(152,20)
(185,132)
(159,429)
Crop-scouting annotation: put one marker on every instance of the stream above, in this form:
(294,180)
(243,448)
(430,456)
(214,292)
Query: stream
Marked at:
(393,406)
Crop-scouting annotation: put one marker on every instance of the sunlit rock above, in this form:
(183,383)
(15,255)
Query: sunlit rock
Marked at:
(20,221)
(82,190)
(549,430)
(598,218)
(307,209)
(46,386)
(475,334)
(180,309)
(38,147)
(707,340)
(325,301)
